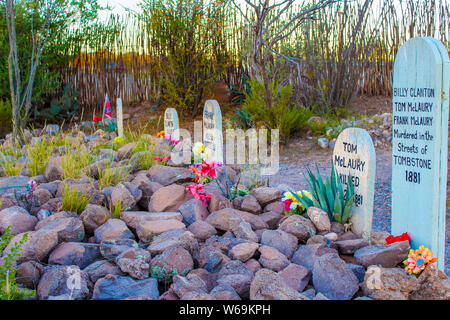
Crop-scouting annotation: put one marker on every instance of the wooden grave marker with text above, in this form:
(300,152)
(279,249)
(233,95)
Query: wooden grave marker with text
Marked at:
(420,102)
(354,155)
(171,124)
(212,130)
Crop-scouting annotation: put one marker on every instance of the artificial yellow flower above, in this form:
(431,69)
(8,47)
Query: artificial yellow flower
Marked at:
(161,134)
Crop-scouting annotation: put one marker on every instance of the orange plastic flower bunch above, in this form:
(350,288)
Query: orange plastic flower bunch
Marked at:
(161,134)
(418,260)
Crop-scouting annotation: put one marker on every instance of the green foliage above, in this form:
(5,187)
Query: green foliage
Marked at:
(329,195)
(238,95)
(62,108)
(5,114)
(75,161)
(163,275)
(111,176)
(11,167)
(107,125)
(189,37)
(74,200)
(9,290)
(116,210)
(39,155)
(75,22)
(244,119)
(281,115)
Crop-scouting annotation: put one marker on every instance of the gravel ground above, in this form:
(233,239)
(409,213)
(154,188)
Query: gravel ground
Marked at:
(303,153)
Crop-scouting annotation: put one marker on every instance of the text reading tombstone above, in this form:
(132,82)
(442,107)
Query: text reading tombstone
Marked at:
(171,124)
(420,103)
(354,155)
(212,130)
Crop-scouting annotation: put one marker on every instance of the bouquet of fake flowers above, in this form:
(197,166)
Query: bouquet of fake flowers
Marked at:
(418,260)
(291,204)
(199,152)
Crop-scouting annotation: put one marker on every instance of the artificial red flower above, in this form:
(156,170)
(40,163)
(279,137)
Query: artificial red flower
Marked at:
(97,118)
(403,237)
(209,169)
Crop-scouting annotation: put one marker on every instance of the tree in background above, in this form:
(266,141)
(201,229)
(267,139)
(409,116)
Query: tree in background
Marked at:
(187,40)
(269,26)
(41,28)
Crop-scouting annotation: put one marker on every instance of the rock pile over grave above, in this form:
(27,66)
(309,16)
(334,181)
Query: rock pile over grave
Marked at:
(167,245)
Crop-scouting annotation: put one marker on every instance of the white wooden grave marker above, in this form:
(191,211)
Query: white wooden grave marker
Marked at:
(419,143)
(354,155)
(212,130)
(119,117)
(171,123)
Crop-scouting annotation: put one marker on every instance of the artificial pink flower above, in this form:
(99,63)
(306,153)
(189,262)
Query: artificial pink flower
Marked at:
(209,169)
(32,185)
(197,192)
(287,204)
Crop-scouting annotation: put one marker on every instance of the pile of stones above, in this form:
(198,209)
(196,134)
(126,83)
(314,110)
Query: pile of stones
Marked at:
(168,245)
(378,126)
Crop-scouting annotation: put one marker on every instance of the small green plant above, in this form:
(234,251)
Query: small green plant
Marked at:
(237,95)
(39,155)
(115,210)
(9,290)
(281,114)
(111,176)
(75,161)
(11,167)
(64,107)
(73,200)
(329,196)
(243,119)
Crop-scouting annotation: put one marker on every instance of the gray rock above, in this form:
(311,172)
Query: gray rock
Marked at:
(350,246)
(135,262)
(102,268)
(385,256)
(307,254)
(113,287)
(323,143)
(296,277)
(62,280)
(192,211)
(282,241)
(75,253)
(18,218)
(172,238)
(268,285)
(333,278)
(113,229)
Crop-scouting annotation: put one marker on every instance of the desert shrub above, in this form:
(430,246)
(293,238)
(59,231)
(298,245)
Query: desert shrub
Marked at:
(11,167)
(75,161)
(39,155)
(9,290)
(111,176)
(190,39)
(73,200)
(288,119)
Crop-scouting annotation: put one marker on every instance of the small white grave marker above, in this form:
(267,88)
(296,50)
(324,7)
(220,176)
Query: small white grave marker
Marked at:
(212,130)
(119,117)
(420,102)
(171,123)
(354,154)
